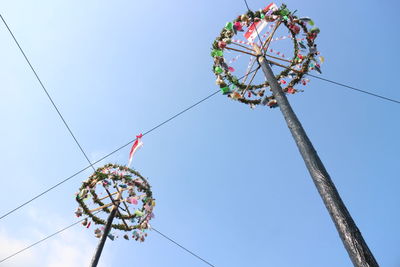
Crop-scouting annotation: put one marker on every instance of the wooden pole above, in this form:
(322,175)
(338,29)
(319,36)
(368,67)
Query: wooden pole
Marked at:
(356,247)
(100,246)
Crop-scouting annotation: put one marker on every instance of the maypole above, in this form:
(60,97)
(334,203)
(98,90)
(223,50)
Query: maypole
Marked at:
(305,57)
(117,198)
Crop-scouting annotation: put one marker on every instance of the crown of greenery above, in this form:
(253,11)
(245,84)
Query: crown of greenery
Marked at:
(119,177)
(295,26)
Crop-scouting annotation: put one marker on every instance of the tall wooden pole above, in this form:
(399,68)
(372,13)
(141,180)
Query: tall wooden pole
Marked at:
(351,237)
(99,249)
(107,228)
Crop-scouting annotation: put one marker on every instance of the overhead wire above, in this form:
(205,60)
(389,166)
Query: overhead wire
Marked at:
(125,145)
(182,247)
(45,90)
(355,89)
(91,164)
(41,240)
(111,153)
(83,152)
(80,221)
(173,117)
(328,80)
(59,113)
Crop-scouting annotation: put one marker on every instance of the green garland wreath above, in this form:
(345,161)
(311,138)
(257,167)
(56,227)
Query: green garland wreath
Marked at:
(132,178)
(294,24)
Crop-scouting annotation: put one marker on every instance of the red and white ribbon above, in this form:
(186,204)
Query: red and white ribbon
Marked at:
(136,145)
(242,42)
(255,29)
(276,52)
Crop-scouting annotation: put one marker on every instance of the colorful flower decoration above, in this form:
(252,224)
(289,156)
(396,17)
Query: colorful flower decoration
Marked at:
(304,54)
(126,188)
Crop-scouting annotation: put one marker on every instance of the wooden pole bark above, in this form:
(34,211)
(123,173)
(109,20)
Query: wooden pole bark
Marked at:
(358,250)
(107,228)
(100,246)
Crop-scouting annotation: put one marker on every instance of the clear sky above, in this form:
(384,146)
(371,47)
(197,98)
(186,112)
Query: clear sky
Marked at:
(229,181)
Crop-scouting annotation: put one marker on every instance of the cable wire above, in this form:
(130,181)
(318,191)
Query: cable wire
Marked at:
(41,240)
(83,152)
(259,38)
(106,156)
(69,129)
(77,222)
(111,153)
(356,89)
(328,80)
(125,145)
(47,93)
(182,247)
(345,85)
(154,128)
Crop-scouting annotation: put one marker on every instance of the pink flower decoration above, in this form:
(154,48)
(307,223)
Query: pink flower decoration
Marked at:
(147,207)
(231,69)
(238,26)
(132,200)
(221,44)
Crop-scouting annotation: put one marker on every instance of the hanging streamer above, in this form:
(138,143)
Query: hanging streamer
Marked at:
(136,145)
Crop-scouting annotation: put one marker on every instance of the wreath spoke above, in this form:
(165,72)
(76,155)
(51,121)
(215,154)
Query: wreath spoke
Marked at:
(286,60)
(252,78)
(245,47)
(241,51)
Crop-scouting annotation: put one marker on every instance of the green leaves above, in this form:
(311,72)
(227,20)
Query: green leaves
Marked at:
(217,53)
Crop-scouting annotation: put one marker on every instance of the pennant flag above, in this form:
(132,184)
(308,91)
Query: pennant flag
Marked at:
(255,29)
(136,145)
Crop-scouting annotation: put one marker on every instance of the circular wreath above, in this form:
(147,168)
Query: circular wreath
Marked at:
(303,59)
(134,200)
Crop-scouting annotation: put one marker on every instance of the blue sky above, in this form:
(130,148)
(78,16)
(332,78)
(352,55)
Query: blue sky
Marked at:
(229,181)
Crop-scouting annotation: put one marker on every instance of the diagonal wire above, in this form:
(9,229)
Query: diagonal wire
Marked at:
(166,121)
(77,222)
(106,156)
(83,152)
(161,124)
(182,247)
(344,85)
(43,239)
(356,89)
(69,129)
(253,22)
(331,81)
(152,129)
(47,93)
(111,153)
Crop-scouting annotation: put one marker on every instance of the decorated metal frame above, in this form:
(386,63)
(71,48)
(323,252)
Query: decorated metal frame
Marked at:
(134,200)
(303,59)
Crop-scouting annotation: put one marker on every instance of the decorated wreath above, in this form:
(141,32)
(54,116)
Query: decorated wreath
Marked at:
(244,36)
(124,188)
